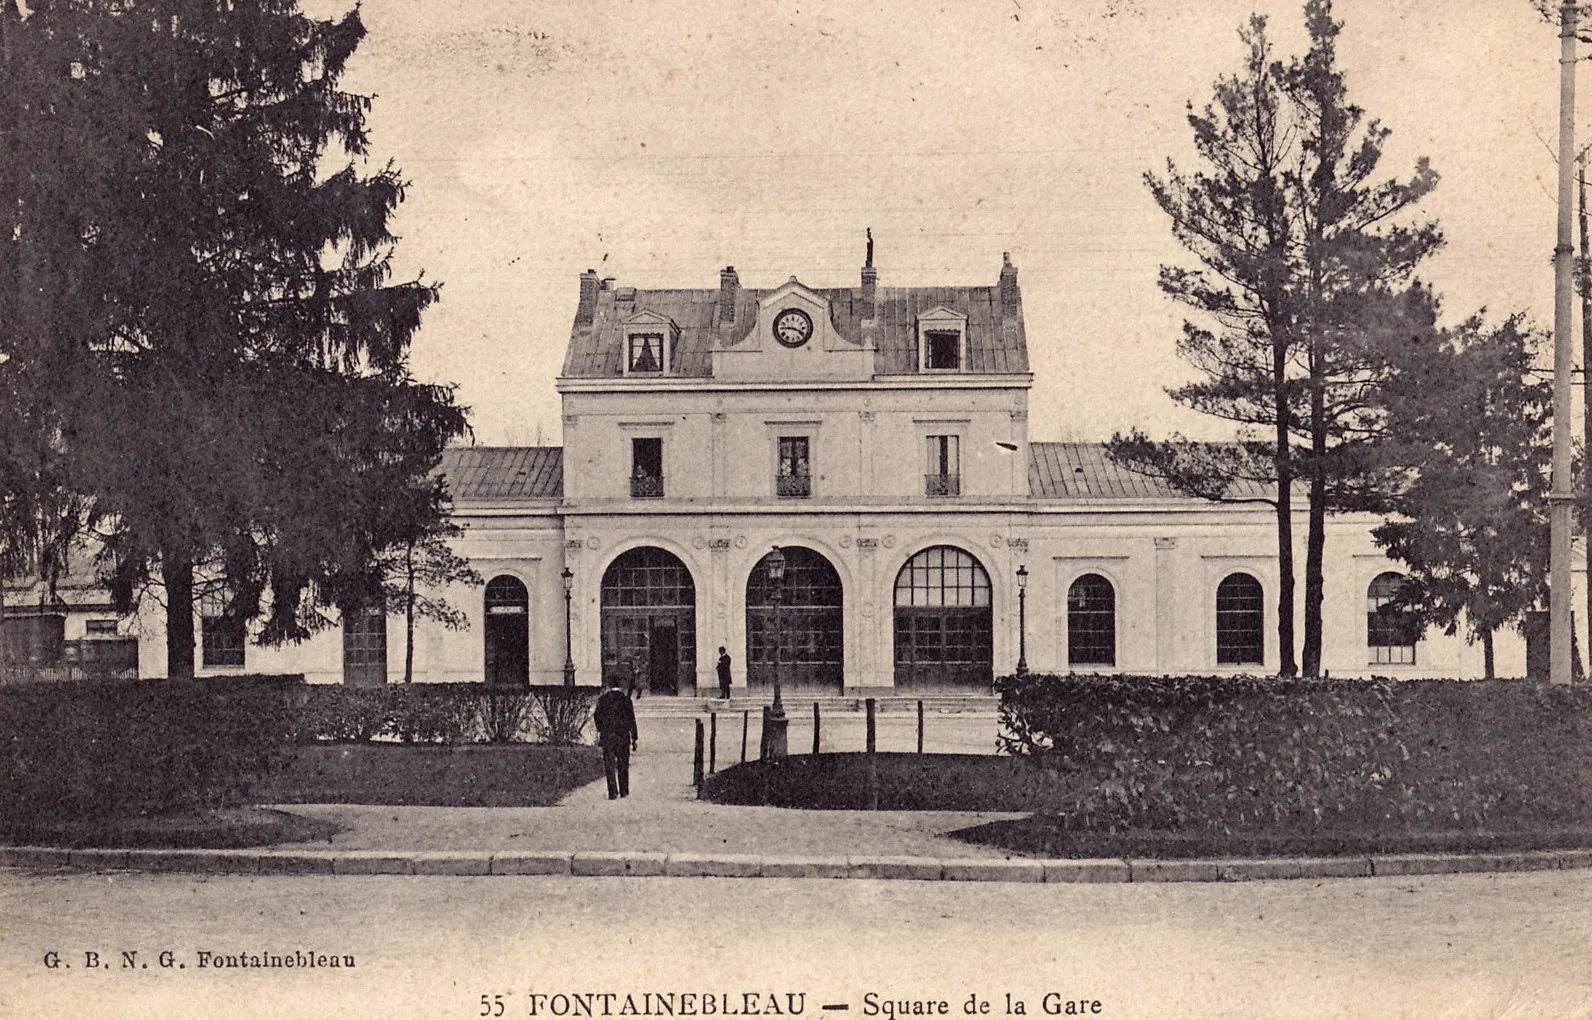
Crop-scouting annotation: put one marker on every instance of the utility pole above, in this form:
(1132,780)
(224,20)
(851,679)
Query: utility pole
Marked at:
(1584,286)
(1562,499)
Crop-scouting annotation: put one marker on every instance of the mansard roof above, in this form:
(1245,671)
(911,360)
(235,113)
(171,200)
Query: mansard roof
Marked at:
(996,343)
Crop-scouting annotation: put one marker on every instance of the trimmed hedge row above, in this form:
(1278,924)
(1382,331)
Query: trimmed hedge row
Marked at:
(71,750)
(454,713)
(143,747)
(1236,754)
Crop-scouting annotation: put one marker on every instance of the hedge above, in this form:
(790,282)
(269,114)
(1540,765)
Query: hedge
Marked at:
(448,713)
(124,748)
(1237,754)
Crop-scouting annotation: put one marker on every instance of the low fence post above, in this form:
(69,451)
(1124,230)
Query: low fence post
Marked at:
(872,756)
(920,725)
(746,724)
(713,743)
(696,763)
(817,723)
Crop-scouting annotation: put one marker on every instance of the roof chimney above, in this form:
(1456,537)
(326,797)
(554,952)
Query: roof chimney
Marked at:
(586,311)
(1010,299)
(870,280)
(729,289)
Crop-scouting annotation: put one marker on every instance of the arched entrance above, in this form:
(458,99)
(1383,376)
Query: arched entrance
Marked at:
(649,621)
(944,633)
(810,631)
(508,632)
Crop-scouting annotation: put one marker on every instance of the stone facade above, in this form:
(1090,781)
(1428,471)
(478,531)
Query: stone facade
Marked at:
(879,437)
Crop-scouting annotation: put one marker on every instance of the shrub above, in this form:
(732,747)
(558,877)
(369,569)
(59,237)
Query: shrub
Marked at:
(77,750)
(344,714)
(434,713)
(1289,755)
(559,714)
(504,715)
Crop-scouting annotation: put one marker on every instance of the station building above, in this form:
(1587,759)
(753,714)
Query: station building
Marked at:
(879,437)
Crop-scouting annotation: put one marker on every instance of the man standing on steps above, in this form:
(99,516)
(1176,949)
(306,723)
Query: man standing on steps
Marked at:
(616,732)
(724,673)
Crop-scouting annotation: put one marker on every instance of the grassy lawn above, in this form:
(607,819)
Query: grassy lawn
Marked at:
(950,782)
(224,829)
(484,775)
(907,782)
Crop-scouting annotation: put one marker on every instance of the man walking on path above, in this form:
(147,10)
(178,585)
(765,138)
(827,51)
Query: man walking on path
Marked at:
(724,673)
(616,732)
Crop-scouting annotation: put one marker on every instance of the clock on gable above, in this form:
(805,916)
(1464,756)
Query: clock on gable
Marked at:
(793,327)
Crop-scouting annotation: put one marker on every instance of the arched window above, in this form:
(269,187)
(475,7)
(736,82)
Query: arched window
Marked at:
(943,627)
(1091,622)
(1240,621)
(649,621)
(1390,632)
(809,638)
(508,632)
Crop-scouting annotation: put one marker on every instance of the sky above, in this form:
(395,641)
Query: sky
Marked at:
(659,141)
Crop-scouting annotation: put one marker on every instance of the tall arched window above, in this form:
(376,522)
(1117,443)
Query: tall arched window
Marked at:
(1390,632)
(1240,621)
(1091,622)
(943,627)
(810,636)
(508,632)
(649,621)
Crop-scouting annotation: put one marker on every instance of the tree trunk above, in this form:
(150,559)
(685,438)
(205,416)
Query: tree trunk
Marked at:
(1316,536)
(409,613)
(1487,654)
(1286,664)
(176,570)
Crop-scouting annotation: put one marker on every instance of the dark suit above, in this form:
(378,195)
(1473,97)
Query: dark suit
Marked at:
(724,675)
(616,732)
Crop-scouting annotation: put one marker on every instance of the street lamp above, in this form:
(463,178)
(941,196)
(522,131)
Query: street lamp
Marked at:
(776,740)
(1022,620)
(569,661)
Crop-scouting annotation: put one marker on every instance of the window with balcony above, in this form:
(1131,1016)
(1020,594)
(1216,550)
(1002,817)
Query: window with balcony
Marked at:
(794,479)
(942,475)
(645,352)
(646,467)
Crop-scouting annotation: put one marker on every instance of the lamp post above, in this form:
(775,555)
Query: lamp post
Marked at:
(1022,620)
(569,661)
(776,740)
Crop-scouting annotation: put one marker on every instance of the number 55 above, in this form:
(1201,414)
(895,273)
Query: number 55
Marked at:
(491,1005)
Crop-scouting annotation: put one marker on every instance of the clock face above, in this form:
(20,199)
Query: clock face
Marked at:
(793,327)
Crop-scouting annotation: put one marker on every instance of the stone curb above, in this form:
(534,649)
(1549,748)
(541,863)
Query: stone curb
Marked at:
(636,864)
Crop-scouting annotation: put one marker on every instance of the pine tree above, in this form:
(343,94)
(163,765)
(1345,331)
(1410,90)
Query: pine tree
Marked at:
(1469,436)
(226,398)
(1305,275)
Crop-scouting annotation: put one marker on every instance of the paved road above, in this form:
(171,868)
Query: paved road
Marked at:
(1455,947)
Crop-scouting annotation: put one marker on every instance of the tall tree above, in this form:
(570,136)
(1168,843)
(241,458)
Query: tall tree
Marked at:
(247,320)
(1468,437)
(1304,274)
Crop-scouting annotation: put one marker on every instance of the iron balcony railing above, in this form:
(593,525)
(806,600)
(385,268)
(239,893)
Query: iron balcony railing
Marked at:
(942,485)
(793,486)
(646,485)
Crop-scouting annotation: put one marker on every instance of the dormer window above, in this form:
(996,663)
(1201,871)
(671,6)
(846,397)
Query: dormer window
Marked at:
(646,352)
(942,350)
(650,344)
(942,341)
